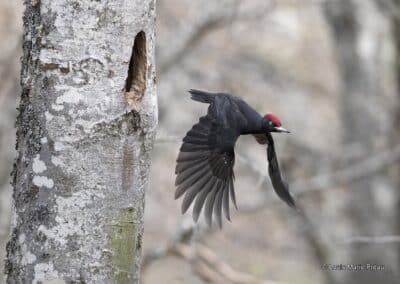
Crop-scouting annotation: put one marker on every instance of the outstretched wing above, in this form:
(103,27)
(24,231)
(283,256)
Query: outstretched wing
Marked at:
(204,170)
(280,186)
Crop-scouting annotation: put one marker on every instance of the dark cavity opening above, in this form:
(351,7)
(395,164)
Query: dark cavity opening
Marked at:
(136,81)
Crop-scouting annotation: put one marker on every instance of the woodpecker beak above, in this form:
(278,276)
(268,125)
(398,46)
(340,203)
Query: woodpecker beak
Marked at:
(281,129)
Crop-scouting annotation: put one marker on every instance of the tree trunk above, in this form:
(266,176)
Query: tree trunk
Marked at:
(364,111)
(394,13)
(85,130)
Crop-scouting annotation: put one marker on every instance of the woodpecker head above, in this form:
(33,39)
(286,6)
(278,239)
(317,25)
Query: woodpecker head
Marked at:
(273,124)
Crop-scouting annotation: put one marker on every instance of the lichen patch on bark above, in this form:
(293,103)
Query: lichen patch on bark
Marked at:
(123,245)
(71,96)
(44,272)
(43,181)
(38,165)
(68,223)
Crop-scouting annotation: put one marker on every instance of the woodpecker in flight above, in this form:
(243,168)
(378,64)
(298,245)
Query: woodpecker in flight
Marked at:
(204,169)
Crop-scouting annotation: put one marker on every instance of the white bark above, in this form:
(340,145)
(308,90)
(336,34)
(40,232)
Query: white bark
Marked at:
(85,132)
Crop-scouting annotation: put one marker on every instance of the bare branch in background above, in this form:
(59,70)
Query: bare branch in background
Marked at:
(366,167)
(8,75)
(374,163)
(201,31)
(168,139)
(390,7)
(372,240)
(317,247)
(205,263)
(225,18)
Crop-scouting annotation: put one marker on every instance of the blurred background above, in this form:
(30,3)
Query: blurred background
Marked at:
(331,71)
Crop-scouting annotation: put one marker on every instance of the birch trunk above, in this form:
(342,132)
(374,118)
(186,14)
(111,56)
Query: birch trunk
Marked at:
(86,125)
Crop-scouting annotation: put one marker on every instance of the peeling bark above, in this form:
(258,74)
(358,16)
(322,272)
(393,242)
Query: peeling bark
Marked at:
(83,146)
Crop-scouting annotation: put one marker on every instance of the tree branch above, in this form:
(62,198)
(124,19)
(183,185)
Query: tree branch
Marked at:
(372,240)
(205,263)
(206,27)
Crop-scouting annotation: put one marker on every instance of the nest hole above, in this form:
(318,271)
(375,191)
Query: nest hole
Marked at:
(135,85)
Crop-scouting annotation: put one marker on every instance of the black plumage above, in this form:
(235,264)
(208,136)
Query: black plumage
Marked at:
(204,170)
(280,186)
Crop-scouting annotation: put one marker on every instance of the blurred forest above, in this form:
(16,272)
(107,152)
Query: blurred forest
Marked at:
(331,71)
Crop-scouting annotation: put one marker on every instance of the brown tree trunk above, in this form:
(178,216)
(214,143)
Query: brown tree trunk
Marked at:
(394,15)
(363,111)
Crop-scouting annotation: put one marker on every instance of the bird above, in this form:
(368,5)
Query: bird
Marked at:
(204,167)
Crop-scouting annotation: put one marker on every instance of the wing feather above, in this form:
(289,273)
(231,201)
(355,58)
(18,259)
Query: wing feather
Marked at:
(182,166)
(198,205)
(218,205)
(189,182)
(208,210)
(232,191)
(192,156)
(196,140)
(225,199)
(188,172)
(189,147)
(193,191)
(204,170)
(280,186)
